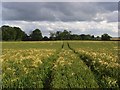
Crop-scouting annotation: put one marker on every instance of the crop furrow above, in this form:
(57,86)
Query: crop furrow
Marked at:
(69,72)
(48,70)
(99,75)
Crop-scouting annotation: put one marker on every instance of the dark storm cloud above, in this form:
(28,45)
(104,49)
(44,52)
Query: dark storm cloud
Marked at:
(61,11)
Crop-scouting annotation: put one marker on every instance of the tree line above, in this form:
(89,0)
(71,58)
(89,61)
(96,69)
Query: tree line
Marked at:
(16,34)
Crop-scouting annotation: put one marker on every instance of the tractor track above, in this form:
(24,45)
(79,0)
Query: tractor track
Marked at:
(48,79)
(88,61)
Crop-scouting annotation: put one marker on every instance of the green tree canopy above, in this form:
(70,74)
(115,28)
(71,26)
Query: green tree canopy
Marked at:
(12,33)
(36,35)
(105,37)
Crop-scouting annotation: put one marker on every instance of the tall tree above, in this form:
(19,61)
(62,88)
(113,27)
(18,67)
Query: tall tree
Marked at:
(36,35)
(52,35)
(8,33)
(12,33)
(20,35)
(65,35)
(105,37)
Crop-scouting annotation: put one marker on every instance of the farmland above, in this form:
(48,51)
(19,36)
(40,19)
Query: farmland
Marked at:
(60,64)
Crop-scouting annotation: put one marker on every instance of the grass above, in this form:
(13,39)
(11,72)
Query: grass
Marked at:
(60,64)
(34,45)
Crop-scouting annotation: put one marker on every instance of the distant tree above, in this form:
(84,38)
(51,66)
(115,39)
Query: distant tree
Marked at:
(75,37)
(26,38)
(65,35)
(20,35)
(82,36)
(52,35)
(92,37)
(7,33)
(36,35)
(16,34)
(12,33)
(45,38)
(58,35)
(88,37)
(98,38)
(105,37)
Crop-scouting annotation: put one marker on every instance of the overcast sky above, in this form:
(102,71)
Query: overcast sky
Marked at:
(79,17)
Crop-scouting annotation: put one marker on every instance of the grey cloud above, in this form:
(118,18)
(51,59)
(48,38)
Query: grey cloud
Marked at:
(55,11)
(61,1)
(110,6)
(0,12)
